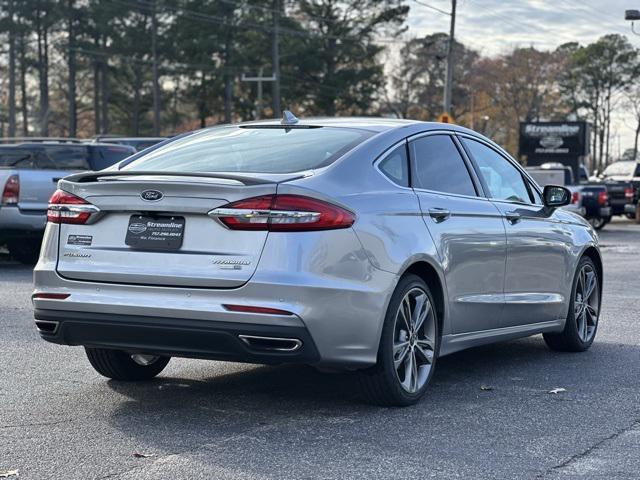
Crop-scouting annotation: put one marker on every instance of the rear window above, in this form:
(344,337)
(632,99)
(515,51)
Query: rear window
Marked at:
(14,158)
(252,150)
(104,156)
(46,157)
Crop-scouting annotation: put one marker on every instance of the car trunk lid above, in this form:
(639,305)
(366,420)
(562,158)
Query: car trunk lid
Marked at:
(209,256)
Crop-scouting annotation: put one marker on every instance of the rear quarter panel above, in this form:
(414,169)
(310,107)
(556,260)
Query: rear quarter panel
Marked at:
(388,224)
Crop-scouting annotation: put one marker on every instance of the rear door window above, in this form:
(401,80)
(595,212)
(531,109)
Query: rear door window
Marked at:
(436,164)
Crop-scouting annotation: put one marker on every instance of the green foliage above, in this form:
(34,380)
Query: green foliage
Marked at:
(330,61)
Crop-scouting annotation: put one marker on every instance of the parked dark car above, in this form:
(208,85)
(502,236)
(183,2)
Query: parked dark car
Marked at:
(139,143)
(29,174)
(589,199)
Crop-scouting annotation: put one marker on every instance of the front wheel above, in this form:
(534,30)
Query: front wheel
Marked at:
(408,347)
(121,365)
(584,312)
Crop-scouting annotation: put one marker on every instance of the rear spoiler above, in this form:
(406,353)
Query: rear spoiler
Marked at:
(86,177)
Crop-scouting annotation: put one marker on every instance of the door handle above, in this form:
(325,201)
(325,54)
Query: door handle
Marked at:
(439,214)
(513,217)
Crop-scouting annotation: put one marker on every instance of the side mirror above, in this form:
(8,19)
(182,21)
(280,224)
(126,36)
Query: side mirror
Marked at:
(556,196)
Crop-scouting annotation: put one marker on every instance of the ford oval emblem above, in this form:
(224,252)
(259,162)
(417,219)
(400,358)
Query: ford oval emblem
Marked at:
(151,195)
(138,228)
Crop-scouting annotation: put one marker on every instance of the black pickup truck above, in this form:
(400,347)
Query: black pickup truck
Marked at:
(589,199)
(622,180)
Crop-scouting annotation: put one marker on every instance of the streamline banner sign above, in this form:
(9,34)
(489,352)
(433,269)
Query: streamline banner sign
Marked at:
(554,139)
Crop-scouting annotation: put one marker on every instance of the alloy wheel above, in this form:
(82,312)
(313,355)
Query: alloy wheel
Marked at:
(414,340)
(144,360)
(586,303)
(597,223)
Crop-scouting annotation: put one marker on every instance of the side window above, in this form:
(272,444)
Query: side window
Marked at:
(395,166)
(437,165)
(505,182)
(68,157)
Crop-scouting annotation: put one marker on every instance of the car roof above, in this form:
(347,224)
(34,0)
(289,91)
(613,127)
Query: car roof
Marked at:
(377,124)
(107,138)
(60,144)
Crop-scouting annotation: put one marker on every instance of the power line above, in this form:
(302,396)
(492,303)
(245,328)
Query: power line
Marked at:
(435,9)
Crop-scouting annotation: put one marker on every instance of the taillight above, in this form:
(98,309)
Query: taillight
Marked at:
(283,213)
(575,198)
(628,193)
(11,190)
(65,207)
(603,198)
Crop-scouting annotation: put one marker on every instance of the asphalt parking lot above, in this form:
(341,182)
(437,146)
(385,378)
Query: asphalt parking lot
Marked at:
(488,413)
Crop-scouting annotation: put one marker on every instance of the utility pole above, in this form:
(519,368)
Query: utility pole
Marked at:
(156,83)
(448,84)
(259,79)
(275,59)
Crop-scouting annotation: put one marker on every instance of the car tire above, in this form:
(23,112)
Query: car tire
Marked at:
(598,223)
(582,323)
(630,216)
(393,381)
(121,365)
(25,250)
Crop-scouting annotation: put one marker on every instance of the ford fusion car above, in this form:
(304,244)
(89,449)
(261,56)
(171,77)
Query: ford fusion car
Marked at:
(374,245)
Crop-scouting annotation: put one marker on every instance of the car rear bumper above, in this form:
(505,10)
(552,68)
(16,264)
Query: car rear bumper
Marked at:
(630,208)
(618,207)
(15,222)
(341,305)
(229,341)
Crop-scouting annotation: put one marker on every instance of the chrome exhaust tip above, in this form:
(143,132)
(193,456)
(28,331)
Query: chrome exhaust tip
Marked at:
(272,344)
(47,327)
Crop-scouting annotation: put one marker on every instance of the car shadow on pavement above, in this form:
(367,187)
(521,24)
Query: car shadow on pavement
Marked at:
(267,403)
(269,388)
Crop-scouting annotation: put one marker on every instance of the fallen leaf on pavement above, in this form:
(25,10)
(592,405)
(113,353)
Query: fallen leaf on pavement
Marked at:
(9,473)
(486,388)
(143,455)
(557,390)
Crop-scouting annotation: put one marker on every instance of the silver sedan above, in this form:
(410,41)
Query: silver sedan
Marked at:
(374,245)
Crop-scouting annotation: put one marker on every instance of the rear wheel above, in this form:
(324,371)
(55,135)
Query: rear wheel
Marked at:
(598,222)
(121,365)
(408,347)
(25,250)
(584,311)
